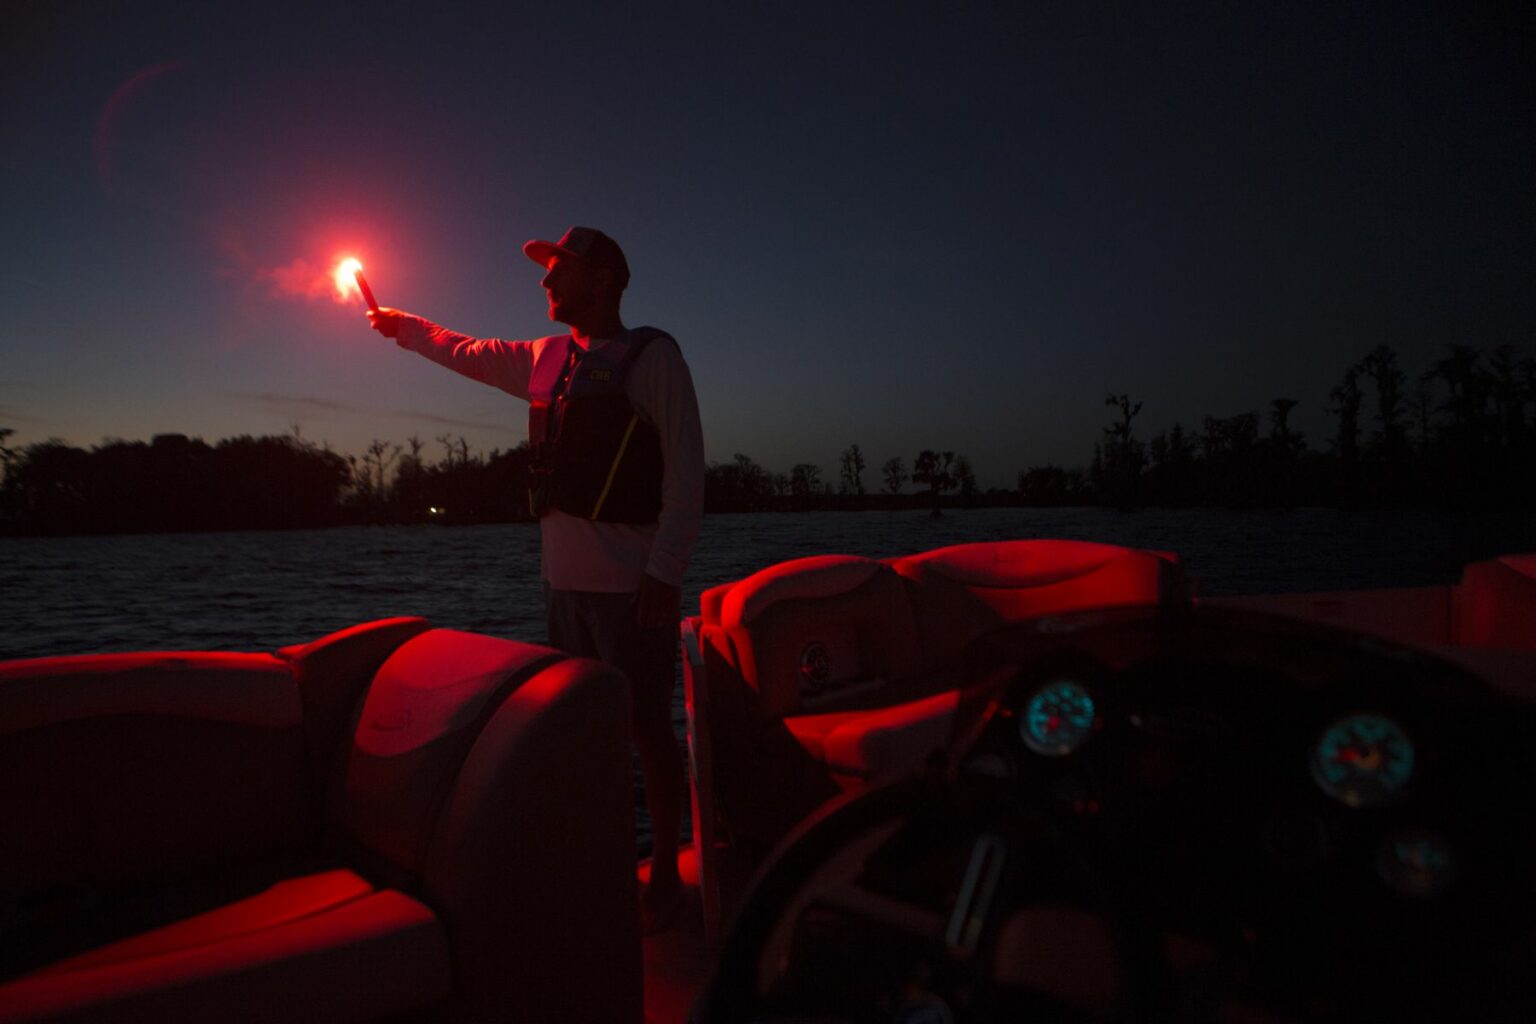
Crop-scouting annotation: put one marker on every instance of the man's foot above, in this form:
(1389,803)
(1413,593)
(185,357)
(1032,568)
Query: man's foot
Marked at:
(661,902)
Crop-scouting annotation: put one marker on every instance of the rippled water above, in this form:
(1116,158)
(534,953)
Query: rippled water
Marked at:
(258,591)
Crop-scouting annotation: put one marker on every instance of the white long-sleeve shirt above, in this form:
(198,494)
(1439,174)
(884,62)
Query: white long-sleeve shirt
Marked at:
(579,554)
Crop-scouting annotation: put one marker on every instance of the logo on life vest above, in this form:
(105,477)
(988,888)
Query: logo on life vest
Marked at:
(600,375)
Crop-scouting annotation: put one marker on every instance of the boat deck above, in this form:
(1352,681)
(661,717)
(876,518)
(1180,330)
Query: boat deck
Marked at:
(677,961)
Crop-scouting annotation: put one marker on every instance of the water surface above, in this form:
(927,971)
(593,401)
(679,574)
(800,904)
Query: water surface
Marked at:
(258,591)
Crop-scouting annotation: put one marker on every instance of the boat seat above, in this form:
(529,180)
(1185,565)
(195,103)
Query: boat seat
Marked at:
(189,848)
(325,946)
(807,637)
(961,592)
(822,676)
(1496,603)
(776,665)
(870,747)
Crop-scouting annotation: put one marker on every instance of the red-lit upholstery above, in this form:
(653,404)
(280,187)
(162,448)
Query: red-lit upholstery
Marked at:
(68,810)
(805,636)
(815,636)
(870,747)
(497,776)
(185,849)
(825,675)
(319,947)
(806,630)
(1496,603)
(961,592)
(333,673)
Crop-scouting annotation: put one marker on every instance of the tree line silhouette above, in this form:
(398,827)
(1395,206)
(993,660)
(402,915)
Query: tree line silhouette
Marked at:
(1463,435)
(177,483)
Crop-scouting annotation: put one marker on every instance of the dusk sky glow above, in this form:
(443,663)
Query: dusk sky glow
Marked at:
(899,225)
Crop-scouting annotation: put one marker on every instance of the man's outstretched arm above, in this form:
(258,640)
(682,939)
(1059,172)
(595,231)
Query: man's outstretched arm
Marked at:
(507,365)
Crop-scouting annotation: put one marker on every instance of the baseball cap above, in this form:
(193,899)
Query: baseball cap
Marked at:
(587,244)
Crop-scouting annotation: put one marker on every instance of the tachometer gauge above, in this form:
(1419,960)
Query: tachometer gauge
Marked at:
(1363,760)
(1057,719)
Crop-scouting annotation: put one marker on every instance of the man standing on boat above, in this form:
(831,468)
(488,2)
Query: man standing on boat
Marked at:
(618,486)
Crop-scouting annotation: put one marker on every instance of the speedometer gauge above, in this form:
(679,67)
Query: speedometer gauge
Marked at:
(1057,719)
(1363,760)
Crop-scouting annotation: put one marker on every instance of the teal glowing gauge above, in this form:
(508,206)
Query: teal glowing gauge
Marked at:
(1363,760)
(1415,864)
(1057,719)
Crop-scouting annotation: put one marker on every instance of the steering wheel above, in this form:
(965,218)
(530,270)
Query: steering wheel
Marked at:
(967,894)
(942,899)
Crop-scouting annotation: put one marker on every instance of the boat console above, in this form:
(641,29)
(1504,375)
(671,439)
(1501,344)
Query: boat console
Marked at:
(1170,812)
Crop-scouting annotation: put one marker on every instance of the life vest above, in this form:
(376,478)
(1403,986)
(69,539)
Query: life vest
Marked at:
(594,457)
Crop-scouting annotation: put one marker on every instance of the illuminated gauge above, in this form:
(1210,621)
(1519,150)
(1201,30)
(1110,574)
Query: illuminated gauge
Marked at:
(1363,760)
(1057,719)
(1415,864)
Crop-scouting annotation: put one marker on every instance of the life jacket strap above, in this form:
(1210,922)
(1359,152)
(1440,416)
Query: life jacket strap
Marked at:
(613,470)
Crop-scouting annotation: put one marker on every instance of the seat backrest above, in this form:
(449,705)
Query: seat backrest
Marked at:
(961,592)
(120,769)
(333,675)
(493,777)
(424,710)
(809,631)
(829,632)
(1496,603)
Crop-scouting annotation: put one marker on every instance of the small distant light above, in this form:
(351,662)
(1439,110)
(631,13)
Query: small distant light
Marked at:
(434,510)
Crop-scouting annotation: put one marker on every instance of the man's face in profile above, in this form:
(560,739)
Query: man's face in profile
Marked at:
(573,288)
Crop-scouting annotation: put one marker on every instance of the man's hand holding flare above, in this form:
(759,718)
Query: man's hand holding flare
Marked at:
(386,321)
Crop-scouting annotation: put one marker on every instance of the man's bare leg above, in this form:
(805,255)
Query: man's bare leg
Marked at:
(666,790)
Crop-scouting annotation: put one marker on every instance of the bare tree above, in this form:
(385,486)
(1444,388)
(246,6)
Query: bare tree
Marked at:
(456,450)
(376,463)
(804,479)
(1117,474)
(853,471)
(1380,364)
(895,474)
(1121,446)
(1346,399)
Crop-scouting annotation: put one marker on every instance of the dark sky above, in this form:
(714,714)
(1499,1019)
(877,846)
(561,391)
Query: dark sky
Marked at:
(900,225)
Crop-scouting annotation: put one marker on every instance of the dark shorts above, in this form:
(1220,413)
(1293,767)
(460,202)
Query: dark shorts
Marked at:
(594,625)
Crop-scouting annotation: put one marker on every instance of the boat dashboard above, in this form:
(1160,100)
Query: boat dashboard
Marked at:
(1198,814)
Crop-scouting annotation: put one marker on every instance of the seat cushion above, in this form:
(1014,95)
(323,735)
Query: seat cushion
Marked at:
(882,744)
(325,946)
